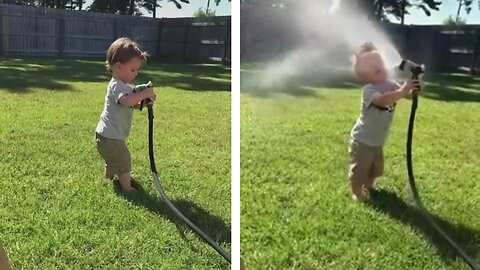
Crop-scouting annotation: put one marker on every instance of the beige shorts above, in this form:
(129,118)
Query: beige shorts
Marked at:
(366,162)
(115,154)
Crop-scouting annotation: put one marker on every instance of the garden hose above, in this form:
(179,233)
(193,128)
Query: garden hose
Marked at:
(156,180)
(411,179)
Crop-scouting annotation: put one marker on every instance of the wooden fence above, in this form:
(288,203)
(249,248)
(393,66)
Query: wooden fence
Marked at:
(440,47)
(28,30)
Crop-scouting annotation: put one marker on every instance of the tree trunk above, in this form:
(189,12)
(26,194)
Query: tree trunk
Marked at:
(132,7)
(460,2)
(402,22)
(154,8)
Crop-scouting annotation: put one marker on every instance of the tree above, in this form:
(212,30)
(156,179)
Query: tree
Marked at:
(450,21)
(375,9)
(151,5)
(61,4)
(130,7)
(203,14)
(379,9)
(467,4)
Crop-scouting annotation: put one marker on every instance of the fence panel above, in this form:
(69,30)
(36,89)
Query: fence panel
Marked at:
(44,31)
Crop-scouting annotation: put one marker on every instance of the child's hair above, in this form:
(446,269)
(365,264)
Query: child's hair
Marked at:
(123,50)
(365,48)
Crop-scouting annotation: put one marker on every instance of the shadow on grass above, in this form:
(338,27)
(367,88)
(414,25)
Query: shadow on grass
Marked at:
(212,225)
(389,203)
(21,75)
(453,87)
(260,83)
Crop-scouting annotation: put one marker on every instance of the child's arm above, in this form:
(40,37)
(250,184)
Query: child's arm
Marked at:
(390,98)
(415,89)
(134,99)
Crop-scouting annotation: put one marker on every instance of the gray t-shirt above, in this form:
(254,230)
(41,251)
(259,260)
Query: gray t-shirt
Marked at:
(116,119)
(373,124)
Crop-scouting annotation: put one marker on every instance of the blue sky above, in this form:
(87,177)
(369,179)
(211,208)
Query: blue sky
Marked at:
(448,7)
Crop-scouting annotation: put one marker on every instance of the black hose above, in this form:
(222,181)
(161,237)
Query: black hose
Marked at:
(156,180)
(416,196)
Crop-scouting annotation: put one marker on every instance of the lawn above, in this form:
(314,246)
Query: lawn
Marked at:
(56,210)
(296,212)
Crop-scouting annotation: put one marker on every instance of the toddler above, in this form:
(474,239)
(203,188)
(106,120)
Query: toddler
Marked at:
(124,59)
(370,131)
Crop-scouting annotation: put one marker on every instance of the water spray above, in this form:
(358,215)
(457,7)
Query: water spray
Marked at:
(415,71)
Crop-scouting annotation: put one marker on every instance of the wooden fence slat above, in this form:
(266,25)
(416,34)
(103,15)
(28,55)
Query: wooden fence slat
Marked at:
(159,38)
(61,36)
(476,52)
(225,43)
(185,41)
(1,32)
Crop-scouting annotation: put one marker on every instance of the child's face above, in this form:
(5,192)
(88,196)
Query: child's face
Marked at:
(129,70)
(372,68)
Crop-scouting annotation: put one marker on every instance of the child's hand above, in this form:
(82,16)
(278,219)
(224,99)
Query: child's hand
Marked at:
(416,87)
(149,93)
(411,87)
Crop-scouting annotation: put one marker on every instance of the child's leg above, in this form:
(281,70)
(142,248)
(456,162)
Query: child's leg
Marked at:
(369,182)
(107,174)
(4,264)
(360,162)
(125,182)
(376,169)
(117,159)
(357,190)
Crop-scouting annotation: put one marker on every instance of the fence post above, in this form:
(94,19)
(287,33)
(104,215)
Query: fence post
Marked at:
(115,35)
(61,35)
(1,31)
(185,41)
(159,38)
(476,52)
(225,42)
(406,49)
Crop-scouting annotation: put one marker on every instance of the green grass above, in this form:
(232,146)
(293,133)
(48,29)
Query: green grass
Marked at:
(296,212)
(56,210)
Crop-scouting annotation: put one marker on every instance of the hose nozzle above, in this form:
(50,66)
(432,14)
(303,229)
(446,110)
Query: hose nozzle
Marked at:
(139,88)
(414,68)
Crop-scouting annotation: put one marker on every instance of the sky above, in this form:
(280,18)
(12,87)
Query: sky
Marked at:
(168,9)
(417,16)
(448,7)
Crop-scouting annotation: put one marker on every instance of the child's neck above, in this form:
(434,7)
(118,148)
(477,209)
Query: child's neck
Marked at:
(117,77)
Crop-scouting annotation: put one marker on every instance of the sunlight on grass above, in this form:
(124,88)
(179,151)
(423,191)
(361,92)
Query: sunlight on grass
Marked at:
(296,212)
(56,210)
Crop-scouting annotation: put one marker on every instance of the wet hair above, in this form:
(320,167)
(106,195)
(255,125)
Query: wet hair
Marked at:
(364,49)
(123,50)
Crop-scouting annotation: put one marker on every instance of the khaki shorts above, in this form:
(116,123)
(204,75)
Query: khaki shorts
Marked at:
(115,154)
(366,162)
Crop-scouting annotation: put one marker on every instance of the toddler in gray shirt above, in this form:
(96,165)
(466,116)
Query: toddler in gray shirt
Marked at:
(370,131)
(124,59)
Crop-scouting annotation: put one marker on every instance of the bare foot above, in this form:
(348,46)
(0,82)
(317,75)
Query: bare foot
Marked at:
(357,192)
(358,198)
(370,184)
(107,175)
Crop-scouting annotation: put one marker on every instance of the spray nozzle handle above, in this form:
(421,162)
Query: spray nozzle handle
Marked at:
(139,88)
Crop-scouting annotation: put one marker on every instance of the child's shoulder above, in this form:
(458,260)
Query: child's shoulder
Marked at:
(114,83)
(368,86)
